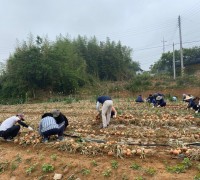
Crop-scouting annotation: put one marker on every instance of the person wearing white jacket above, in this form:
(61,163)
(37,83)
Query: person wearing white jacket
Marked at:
(9,129)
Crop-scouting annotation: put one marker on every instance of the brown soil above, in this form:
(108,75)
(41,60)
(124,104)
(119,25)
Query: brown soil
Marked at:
(73,164)
(17,160)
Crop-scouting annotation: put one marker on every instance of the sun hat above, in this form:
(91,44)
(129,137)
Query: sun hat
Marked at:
(55,113)
(158,98)
(187,97)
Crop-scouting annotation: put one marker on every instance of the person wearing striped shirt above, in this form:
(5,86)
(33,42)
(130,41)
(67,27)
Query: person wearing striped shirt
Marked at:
(48,127)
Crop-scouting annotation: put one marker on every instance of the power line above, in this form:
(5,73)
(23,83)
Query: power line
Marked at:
(165,45)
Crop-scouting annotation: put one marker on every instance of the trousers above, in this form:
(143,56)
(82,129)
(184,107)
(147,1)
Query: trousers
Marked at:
(10,132)
(106,112)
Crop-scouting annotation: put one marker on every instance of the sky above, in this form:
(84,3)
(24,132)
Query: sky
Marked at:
(148,27)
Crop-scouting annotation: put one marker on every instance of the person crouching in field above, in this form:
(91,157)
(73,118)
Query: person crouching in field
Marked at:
(151,100)
(60,118)
(113,114)
(139,99)
(107,105)
(160,102)
(8,129)
(48,127)
(194,104)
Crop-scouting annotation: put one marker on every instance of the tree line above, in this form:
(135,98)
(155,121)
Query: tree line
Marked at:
(191,56)
(64,65)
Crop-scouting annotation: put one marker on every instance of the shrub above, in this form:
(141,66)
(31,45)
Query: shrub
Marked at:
(47,168)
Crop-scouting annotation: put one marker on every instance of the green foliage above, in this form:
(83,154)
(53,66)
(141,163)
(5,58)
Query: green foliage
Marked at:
(31,169)
(187,163)
(3,166)
(197,177)
(150,171)
(15,163)
(107,173)
(139,83)
(94,163)
(165,63)
(139,178)
(188,80)
(135,166)
(63,66)
(53,157)
(198,167)
(114,164)
(180,168)
(47,167)
(85,171)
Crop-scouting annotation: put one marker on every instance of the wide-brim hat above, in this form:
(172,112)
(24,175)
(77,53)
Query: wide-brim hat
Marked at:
(55,113)
(158,98)
(188,97)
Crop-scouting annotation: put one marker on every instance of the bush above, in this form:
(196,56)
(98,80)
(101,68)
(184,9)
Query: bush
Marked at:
(140,83)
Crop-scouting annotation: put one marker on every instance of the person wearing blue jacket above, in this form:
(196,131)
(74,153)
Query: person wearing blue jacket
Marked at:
(151,99)
(139,99)
(160,101)
(107,105)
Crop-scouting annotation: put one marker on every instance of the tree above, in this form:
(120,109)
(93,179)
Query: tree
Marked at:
(165,63)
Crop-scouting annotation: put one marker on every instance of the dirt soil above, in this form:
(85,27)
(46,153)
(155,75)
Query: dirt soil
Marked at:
(136,122)
(73,164)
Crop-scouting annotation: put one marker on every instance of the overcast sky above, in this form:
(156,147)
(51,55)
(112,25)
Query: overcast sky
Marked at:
(140,24)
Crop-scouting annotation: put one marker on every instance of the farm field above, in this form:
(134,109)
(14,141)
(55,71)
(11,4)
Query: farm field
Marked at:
(141,143)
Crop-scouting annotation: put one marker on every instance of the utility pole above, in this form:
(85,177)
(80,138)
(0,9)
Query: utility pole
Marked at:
(163,41)
(181,48)
(174,66)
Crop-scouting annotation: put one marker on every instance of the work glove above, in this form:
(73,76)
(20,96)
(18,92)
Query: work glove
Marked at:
(30,128)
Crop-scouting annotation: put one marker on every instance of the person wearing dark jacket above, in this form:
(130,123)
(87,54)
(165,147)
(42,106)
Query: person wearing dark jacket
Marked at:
(194,104)
(139,99)
(107,105)
(60,118)
(160,101)
(151,99)
(8,129)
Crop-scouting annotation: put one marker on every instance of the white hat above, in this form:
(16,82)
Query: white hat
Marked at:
(187,97)
(158,98)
